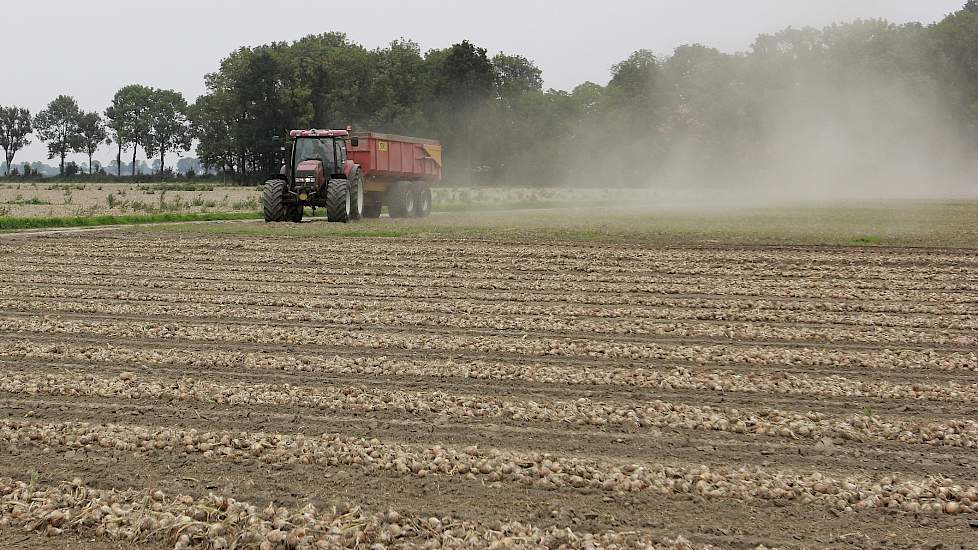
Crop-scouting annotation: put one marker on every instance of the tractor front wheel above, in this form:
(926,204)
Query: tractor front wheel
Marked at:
(338,201)
(273,200)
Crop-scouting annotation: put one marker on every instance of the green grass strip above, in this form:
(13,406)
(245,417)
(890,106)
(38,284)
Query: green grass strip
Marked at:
(44,222)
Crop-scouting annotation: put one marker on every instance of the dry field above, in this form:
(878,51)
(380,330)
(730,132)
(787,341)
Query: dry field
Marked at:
(179,389)
(88,199)
(91,199)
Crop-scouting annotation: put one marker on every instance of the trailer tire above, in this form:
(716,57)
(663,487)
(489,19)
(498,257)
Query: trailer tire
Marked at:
(373,204)
(422,201)
(273,200)
(401,200)
(357,196)
(338,201)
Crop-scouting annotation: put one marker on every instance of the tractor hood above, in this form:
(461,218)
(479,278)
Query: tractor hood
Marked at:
(310,172)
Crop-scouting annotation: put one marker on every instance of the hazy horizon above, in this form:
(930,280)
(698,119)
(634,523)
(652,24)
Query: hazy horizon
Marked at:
(176,47)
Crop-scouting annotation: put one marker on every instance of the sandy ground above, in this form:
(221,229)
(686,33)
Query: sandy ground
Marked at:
(614,395)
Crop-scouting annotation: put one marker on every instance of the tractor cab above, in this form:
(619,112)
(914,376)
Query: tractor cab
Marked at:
(317,156)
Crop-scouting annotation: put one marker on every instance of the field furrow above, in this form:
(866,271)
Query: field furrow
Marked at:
(669,310)
(173,390)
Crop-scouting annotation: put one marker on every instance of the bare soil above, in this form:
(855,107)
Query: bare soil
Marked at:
(716,396)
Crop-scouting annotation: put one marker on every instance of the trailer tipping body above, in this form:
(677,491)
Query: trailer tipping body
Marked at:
(388,158)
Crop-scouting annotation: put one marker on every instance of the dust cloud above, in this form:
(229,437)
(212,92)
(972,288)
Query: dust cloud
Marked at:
(880,140)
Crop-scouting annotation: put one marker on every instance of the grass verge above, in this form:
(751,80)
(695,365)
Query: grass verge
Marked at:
(44,222)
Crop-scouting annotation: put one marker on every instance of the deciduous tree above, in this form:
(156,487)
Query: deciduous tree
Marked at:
(169,129)
(516,75)
(129,119)
(91,129)
(58,126)
(15,126)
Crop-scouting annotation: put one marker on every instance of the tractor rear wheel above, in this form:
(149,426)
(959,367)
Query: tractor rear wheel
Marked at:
(338,201)
(422,201)
(401,200)
(273,200)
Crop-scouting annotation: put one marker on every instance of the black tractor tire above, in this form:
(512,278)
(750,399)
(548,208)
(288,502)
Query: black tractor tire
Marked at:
(400,201)
(273,200)
(422,201)
(357,196)
(295,213)
(373,205)
(338,201)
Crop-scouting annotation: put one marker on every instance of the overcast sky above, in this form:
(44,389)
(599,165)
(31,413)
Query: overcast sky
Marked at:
(91,48)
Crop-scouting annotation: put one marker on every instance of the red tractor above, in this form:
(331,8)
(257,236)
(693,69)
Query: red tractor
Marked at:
(353,176)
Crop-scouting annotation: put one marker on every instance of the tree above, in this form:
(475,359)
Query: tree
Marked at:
(955,41)
(58,126)
(129,119)
(15,126)
(636,78)
(213,125)
(516,75)
(398,88)
(463,88)
(169,129)
(463,75)
(113,136)
(91,129)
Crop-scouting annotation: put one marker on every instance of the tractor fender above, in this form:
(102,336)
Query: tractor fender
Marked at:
(350,168)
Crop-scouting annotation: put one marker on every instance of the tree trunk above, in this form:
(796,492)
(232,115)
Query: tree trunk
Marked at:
(89,163)
(134,144)
(118,162)
(63,154)
(162,163)
(10,159)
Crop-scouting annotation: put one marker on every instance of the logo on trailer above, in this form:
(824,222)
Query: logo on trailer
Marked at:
(382,146)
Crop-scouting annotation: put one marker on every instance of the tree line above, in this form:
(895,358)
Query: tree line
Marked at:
(693,111)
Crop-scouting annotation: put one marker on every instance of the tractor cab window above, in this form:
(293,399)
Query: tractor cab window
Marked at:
(340,151)
(316,149)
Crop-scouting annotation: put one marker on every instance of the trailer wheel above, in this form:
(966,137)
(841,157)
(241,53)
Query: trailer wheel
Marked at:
(356,197)
(422,201)
(338,201)
(273,200)
(401,200)
(373,204)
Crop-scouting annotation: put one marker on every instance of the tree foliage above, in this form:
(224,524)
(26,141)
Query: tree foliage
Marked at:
(797,92)
(129,119)
(15,127)
(92,134)
(58,126)
(168,127)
